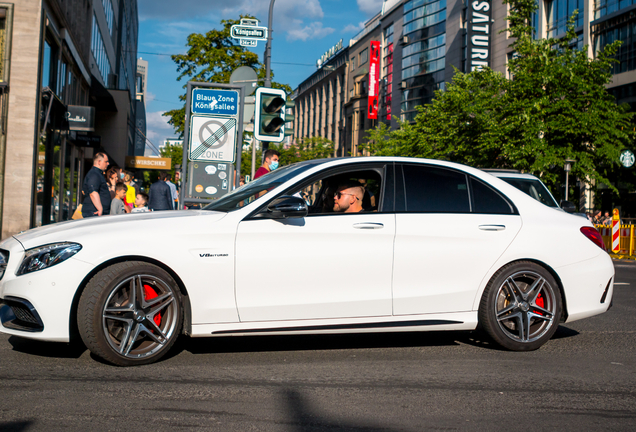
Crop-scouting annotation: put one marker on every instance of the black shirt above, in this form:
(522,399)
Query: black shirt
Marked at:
(95,182)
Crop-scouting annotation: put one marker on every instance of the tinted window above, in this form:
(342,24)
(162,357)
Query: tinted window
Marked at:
(487,200)
(432,189)
(534,188)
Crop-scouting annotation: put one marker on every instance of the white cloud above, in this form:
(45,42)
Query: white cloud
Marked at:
(313,30)
(352,28)
(157,128)
(370,7)
(207,15)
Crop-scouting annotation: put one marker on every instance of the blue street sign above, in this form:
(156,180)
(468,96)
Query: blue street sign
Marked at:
(218,102)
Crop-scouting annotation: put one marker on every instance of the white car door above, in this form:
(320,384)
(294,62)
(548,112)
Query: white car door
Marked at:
(451,233)
(332,265)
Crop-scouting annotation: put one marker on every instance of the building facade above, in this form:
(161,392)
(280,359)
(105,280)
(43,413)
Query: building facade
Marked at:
(68,75)
(424,41)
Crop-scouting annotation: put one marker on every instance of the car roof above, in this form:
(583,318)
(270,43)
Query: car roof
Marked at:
(503,173)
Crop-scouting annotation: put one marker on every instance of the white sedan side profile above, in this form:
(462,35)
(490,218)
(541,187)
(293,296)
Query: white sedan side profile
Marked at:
(437,246)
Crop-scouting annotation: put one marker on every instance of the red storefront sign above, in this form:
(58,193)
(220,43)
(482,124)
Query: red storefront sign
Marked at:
(374,80)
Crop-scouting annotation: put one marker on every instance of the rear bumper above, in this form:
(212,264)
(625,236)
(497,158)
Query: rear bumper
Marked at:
(588,287)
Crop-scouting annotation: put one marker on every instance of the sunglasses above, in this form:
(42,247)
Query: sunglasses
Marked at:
(339,195)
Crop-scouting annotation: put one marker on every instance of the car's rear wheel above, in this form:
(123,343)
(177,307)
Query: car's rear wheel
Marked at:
(130,313)
(521,306)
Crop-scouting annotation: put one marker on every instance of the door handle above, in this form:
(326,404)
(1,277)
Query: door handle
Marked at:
(368,225)
(492,227)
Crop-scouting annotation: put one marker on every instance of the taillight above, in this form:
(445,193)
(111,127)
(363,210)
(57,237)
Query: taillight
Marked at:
(593,235)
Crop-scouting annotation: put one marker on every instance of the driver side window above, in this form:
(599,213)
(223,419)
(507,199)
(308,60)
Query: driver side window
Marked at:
(320,194)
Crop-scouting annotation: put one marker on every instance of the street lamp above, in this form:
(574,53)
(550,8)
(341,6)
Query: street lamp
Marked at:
(567,167)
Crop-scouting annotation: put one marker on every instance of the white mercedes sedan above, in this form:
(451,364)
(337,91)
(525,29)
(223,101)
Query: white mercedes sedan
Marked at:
(327,246)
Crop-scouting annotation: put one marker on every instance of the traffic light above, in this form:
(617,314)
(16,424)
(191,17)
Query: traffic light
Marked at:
(289,118)
(270,116)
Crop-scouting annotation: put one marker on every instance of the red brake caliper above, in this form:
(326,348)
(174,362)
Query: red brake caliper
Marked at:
(150,293)
(540,302)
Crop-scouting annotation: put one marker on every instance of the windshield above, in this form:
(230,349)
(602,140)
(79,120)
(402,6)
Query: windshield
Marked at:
(533,187)
(244,195)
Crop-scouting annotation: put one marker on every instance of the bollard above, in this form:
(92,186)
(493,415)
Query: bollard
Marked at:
(616,232)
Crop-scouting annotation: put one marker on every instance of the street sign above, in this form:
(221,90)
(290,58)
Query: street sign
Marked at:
(216,102)
(248,42)
(212,138)
(209,179)
(246,76)
(248,32)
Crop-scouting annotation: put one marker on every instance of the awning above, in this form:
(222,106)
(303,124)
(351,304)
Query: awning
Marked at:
(100,97)
(54,111)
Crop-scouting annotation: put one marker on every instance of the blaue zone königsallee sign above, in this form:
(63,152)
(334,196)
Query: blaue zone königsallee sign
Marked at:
(215,102)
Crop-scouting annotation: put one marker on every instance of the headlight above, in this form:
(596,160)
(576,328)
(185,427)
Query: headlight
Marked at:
(4,259)
(47,256)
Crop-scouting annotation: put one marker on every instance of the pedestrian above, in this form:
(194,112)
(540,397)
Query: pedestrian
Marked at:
(96,194)
(160,196)
(130,193)
(133,183)
(270,163)
(173,188)
(112,177)
(117,204)
(141,203)
(607,220)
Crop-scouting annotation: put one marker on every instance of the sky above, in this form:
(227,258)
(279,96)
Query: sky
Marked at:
(302,31)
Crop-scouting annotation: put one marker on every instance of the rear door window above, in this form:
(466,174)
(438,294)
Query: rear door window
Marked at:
(431,189)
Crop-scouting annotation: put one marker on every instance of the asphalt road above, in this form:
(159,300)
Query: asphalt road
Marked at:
(583,379)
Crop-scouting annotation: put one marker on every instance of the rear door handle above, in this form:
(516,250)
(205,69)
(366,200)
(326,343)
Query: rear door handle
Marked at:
(492,227)
(368,225)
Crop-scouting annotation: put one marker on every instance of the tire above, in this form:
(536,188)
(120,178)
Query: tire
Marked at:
(521,306)
(130,313)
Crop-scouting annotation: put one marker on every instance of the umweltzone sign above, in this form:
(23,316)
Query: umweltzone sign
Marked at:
(479,34)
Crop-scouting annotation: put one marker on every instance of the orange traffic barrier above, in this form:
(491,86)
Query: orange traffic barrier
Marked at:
(627,242)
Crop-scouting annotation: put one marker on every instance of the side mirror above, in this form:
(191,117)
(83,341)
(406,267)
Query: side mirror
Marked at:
(286,207)
(568,206)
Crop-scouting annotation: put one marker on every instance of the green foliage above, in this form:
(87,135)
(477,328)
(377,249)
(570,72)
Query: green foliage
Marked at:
(307,149)
(212,57)
(175,152)
(555,108)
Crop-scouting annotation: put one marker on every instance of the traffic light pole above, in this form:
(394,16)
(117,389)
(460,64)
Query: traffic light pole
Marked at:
(268,61)
(268,47)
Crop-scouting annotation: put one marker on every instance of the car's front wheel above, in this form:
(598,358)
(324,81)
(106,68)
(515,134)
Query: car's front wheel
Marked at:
(521,306)
(130,313)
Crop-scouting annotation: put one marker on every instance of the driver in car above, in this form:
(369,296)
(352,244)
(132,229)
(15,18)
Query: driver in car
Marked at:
(348,197)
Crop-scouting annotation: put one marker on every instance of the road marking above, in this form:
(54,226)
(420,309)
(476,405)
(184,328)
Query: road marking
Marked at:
(621,283)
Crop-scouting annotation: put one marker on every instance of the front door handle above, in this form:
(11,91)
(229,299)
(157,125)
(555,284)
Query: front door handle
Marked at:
(368,225)
(492,227)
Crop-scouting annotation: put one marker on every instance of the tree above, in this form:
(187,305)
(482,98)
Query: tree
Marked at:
(212,57)
(555,108)
(174,152)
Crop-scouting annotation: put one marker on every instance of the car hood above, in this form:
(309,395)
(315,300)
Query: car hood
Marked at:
(113,225)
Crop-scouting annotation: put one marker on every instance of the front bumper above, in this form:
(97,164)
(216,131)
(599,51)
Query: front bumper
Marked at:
(38,305)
